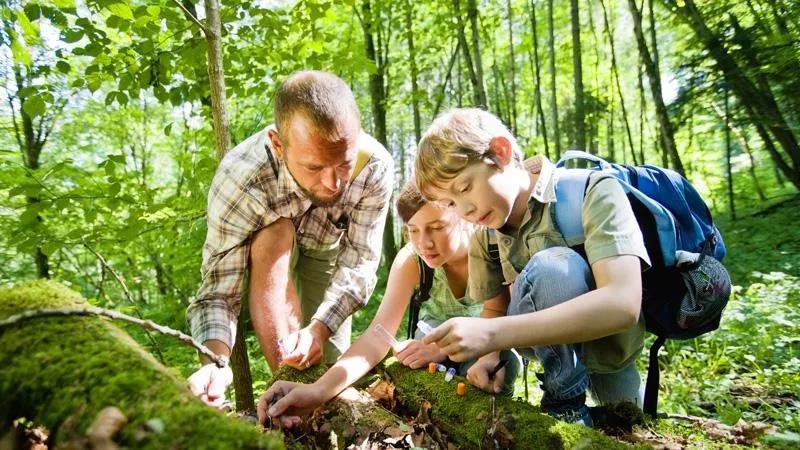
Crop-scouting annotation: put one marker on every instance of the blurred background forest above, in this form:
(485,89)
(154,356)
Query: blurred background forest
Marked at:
(107,147)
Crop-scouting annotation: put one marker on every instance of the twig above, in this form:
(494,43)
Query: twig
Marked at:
(128,296)
(191,16)
(91,310)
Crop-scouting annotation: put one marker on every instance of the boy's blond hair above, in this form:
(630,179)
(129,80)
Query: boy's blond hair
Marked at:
(457,139)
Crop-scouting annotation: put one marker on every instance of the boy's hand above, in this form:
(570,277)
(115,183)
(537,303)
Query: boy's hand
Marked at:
(416,354)
(304,347)
(463,338)
(209,383)
(478,374)
(287,401)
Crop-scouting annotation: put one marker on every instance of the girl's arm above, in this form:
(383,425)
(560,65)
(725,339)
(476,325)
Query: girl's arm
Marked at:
(369,349)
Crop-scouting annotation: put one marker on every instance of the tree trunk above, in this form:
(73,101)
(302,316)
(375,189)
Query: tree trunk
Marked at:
(551,47)
(462,40)
(412,57)
(377,90)
(731,204)
(654,76)
(577,80)
(91,364)
(538,79)
(512,99)
(472,14)
(216,77)
(615,73)
(761,106)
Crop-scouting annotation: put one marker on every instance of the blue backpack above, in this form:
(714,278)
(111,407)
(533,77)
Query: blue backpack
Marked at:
(686,288)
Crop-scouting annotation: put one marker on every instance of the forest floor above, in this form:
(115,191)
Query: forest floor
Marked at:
(739,385)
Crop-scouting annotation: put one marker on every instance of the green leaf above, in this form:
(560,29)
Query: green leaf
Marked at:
(71,35)
(63,67)
(19,51)
(29,30)
(64,4)
(48,248)
(114,189)
(33,11)
(168,129)
(121,10)
(28,217)
(119,159)
(154,10)
(34,106)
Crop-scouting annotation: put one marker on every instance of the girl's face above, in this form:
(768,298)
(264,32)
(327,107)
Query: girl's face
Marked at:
(437,234)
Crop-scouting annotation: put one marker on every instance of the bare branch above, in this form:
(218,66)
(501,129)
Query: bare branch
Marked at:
(116,315)
(191,16)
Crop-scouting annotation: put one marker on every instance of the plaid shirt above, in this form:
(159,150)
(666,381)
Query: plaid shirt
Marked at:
(252,189)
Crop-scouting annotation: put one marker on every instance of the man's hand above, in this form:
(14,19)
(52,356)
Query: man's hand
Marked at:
(478,374)
(286,402)
(210,382)
(463,338)
(415,354)
(305,347)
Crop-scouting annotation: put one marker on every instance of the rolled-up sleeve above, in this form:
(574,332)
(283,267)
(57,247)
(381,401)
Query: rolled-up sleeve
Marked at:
(233,216)
(354,277)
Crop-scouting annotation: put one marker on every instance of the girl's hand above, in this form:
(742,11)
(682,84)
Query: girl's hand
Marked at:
(416,354)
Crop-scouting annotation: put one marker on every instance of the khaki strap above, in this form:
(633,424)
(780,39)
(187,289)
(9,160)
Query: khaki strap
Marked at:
(361,160)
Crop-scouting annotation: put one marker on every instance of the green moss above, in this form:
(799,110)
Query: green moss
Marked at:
(531,428)
(61,371)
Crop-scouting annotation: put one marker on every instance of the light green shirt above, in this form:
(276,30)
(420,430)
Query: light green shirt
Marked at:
(443,304)
(610,229)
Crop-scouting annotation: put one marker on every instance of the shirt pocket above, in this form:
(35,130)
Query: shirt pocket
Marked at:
(319,233)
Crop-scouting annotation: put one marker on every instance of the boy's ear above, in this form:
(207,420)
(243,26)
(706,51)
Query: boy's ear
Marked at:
(502,149)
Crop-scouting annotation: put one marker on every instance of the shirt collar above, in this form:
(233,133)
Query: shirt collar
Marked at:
(544,191)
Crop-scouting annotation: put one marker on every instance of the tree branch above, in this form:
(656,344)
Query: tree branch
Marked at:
(116,315)
(191,16)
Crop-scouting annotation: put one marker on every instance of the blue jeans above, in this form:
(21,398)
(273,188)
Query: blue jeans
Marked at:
(553,276)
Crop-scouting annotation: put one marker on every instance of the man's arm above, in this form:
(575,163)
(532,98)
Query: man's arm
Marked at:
(354,277)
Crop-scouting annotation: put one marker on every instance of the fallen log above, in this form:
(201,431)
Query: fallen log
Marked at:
(61,372)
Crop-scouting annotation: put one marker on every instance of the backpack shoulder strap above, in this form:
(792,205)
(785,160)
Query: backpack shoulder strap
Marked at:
(362,157)
(422,295)
(567,211)
(491,246)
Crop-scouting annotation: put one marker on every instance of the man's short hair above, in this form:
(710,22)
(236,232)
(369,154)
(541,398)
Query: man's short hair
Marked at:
(457,139)
(409,201)
(326,102)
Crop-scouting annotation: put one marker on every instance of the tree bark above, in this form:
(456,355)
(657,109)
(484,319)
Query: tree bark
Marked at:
(538,79)
(577,80)
(412,57)
(512,62)
(615,73)
(731,204)
(377,90)
(654,77)
(216,76)
(472,14)
(551,47)
(462,41)
(91,364)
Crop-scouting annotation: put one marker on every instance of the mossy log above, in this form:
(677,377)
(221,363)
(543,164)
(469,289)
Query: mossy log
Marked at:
(467,419)
(60,372)
(463,421)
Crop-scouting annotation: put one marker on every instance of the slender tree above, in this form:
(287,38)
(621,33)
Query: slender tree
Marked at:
(551,51)
(654,78)
(412,60)
(512,63)
(536,69)
(615,73)
(731,204)
(577,64)
(370,23)
(472,14)
(477,84)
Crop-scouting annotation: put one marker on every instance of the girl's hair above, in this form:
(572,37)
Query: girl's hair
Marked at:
(409,201)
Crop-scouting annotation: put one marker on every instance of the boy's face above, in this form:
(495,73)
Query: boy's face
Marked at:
(482,194)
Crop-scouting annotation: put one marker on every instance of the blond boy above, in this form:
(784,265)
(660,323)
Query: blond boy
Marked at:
(579,316)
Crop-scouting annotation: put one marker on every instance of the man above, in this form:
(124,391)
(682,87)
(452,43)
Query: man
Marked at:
(300,205)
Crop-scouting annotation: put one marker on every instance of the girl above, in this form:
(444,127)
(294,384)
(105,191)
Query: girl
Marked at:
(441,239)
